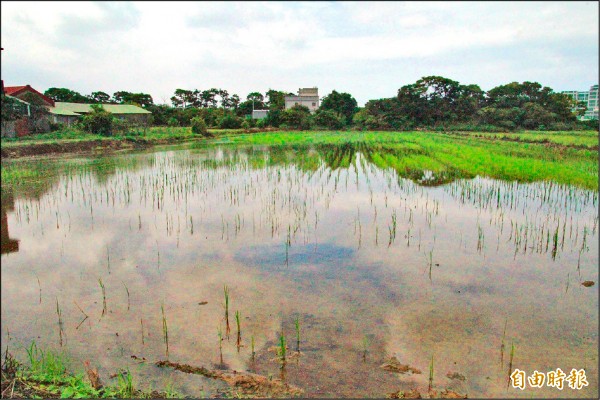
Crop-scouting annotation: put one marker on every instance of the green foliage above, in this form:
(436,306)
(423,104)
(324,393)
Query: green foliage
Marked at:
(341,103)
(139,99)
(329,119)
(276,100)
(173,122)
(38,120)
(12,109)
(274,118)
(230,122)
(66,95)
(246,124)
(199,126)
(297,117)
(590,124)
(363,120)
(98,121)
(100,97)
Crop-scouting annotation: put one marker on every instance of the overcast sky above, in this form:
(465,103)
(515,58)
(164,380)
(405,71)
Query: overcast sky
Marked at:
(366,49)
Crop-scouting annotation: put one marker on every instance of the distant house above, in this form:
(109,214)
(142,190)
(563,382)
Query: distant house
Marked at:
(308,97)
(23,125)
(259,114)
(20,91)
(69,113)
(589,98)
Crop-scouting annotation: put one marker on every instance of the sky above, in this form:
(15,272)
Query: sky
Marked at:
(369,50)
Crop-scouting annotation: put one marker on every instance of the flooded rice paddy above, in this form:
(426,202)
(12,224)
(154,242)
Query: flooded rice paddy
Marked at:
(365,263)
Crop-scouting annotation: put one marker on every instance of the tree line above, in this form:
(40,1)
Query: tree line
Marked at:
(432,102)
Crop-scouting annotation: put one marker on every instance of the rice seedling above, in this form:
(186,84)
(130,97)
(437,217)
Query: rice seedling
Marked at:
(40,287)
(502,345)
(108,258)
(297,325)
(220,335)
(157,256)
(252,346)
(227,328)
(239,331)
(165,330)
(288,243)
(60,323)
(510,363)
(103,297)
(555,243)
(142,324)
(125,384)
(127,290)
(282,347)
(365,344)
(431,374)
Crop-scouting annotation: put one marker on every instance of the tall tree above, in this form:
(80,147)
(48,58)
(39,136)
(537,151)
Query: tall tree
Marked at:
(276,100)
(341,103)
(100,97)
(184,98)
(66,95)
(257,99)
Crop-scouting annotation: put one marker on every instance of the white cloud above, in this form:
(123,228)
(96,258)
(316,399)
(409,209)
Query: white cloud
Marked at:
(243,47)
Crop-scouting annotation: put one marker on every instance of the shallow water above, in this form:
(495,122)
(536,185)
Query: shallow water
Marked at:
(435,265)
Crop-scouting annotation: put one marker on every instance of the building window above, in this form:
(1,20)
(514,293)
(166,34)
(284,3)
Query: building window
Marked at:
(314,104)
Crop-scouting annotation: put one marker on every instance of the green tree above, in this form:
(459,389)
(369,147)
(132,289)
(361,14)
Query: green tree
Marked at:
(100,97)
(297,117)
(98,121)
(140,99)
(230,122)
(244,108)
(66,95)
(276,100)
(329,119)
(199,126)
(257,99)
(341,103)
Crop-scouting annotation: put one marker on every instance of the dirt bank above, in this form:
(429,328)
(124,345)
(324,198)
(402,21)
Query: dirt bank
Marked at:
(83,146)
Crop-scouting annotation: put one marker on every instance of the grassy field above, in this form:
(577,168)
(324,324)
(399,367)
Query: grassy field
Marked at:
(471,155)
(587,139)
(562,157)
(46,375)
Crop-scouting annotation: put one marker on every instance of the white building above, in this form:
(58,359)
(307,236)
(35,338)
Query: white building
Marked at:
(259,114)
(590,98)
(308,97)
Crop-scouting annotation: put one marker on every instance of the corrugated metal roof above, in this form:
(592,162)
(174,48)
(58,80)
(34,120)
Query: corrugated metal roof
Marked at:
(63,108)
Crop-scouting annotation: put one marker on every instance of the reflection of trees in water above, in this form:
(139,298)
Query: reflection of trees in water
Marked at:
(416,164)
(8,245)
(342,156)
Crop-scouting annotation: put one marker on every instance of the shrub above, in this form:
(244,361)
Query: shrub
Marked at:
(297,117)
(173,122)
(98,121)
(261,123)
(246,124)
(199,126)
(56,126)
(230,122)
(329,119)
